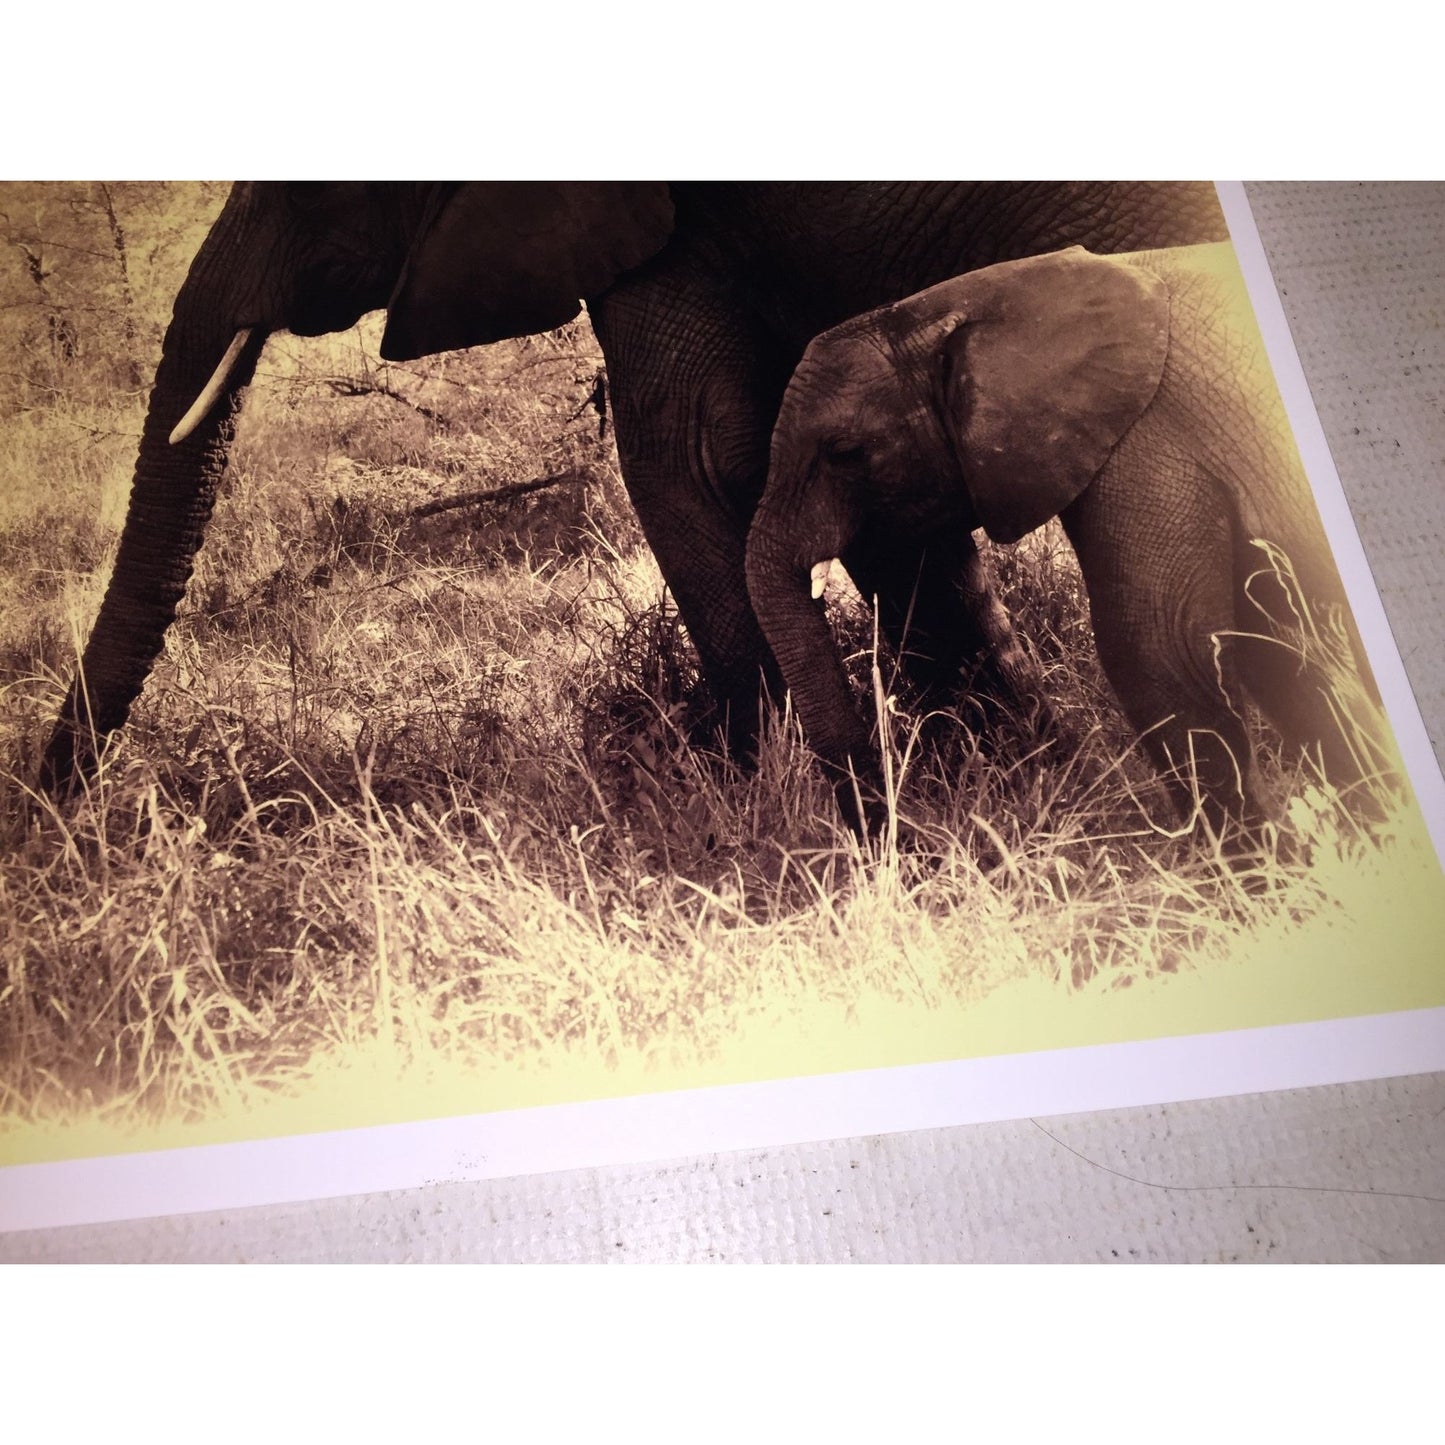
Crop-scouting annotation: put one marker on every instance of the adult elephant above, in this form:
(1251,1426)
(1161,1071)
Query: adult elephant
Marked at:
(702,296)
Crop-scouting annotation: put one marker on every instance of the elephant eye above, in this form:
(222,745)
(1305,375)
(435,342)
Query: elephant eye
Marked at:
(844,451)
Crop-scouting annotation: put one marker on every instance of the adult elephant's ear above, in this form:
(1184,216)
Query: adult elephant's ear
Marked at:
(493,259)
(1048,363)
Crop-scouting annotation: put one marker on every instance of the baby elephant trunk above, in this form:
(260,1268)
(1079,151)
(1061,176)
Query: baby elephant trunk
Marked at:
(786,567)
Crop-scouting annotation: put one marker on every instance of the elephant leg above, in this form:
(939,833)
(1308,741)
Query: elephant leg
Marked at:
(1323,699)
(1156,550)
(1312,712)
(940,613)
(695,387)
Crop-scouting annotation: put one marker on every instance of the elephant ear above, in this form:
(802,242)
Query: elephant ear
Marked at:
(494,259)
(1051,361)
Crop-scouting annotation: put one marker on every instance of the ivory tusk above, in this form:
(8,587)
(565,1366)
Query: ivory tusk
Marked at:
(212,389)
(820,576)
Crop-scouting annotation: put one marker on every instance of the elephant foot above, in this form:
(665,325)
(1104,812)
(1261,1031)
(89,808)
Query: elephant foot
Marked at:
(1009,682)
(861,797)
(729,728)
(1234,824)
(70,758)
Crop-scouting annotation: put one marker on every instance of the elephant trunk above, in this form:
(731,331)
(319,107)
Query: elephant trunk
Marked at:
(172,493)
(782,576)
(214,389)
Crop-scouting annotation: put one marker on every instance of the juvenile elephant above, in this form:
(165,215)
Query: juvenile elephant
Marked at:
(1128,395)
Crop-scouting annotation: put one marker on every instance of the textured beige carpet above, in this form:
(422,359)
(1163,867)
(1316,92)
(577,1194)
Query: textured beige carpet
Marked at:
(1347,1173)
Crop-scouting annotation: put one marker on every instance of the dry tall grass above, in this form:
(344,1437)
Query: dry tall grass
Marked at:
(417,814)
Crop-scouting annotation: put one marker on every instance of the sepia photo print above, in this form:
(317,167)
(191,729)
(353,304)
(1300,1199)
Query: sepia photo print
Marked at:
(475,646)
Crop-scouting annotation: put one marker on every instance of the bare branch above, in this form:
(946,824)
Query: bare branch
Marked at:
(95,431)
(597,400)
(493,494)
(344,386)
(127,296)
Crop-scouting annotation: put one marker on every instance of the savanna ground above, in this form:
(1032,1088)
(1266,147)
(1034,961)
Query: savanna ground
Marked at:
(418,815)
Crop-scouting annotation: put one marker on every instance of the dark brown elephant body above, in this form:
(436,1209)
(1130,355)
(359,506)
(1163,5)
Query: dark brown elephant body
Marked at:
(703,297)
(1129,396)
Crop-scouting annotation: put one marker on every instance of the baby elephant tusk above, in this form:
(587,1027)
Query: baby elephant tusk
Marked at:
(212,389)
(820,576)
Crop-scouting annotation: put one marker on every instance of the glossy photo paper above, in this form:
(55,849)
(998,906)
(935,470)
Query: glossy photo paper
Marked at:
(845,677)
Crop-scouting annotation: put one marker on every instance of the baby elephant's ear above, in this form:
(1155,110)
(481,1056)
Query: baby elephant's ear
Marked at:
(1052,361)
